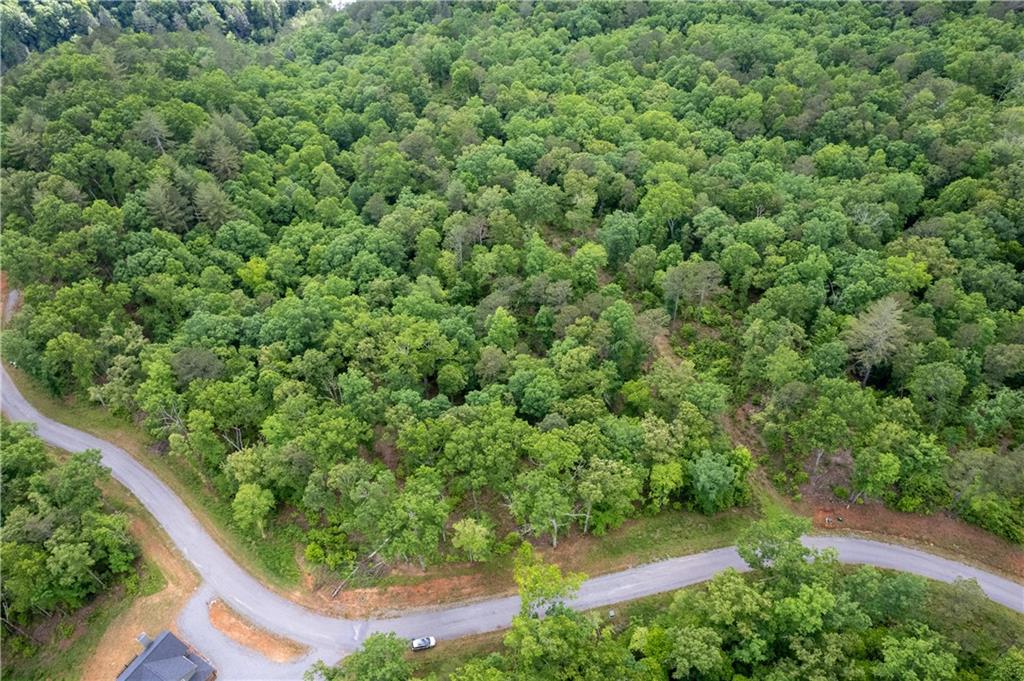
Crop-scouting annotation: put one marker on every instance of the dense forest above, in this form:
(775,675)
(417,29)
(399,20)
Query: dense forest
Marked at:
(61,543)
(27,27)
(799,618)
(417,276)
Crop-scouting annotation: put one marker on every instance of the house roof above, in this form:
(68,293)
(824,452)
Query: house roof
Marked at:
(167,658)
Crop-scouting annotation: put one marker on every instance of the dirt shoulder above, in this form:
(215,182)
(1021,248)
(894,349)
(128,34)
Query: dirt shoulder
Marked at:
(636,542)
(151,614)
(244,632)
(639,541)
(940,533)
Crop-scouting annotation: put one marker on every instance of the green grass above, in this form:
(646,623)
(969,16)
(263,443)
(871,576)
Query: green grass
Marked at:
(646,539)
(448,656)
(151,579)
(641,540)
(272,559)
(982,629)
(56,661)
(668,534)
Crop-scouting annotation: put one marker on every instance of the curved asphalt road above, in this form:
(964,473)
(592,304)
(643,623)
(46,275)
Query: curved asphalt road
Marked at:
(330,638)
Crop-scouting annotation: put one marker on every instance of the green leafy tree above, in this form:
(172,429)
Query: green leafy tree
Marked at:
(251,506)
(382,658)
(70,363)
(773,546)
(502,330)
(619,234)
(541,502)
(935,390)
(541,586)
(415,524)
(61,544)
(1009,667)
(696,653)
(694,282)
(713,481)
(607,490)
(667,205)
(473,538)
(920,656)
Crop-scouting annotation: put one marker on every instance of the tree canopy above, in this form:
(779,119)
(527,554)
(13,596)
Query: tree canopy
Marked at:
(408,265)
(59,543)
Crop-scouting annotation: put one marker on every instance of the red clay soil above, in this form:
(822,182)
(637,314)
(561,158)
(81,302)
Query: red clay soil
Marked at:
(3,297)
(151,613)
(941,532)
(384,600)
(244,632)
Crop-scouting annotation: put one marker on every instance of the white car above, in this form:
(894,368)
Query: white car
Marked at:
(423,643)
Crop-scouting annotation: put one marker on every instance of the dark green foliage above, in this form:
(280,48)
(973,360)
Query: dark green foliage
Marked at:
(799,616)
(432,260)
(35,26)
(382,658)
(59,544)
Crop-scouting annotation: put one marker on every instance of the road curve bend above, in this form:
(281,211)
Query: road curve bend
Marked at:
(330,638)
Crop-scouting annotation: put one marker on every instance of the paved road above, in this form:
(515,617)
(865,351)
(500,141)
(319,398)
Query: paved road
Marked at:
(330,638)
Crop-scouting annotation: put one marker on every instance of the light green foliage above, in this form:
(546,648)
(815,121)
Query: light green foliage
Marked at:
(412,264)
(799,616)
(935,390)
(416,520)
(920,657)
(473,538)
(541,586)
(502,330)
(713,482)
(1010,667)
(608,490)
(60,545)
(251,505)
(773,546)
(541,502)
(875,336)
(382,658)
(696,652)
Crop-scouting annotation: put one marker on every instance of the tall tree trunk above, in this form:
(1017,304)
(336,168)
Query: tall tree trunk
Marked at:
(99,581)
(15,627)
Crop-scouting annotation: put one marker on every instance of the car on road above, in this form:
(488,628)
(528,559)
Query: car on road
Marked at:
(423,643)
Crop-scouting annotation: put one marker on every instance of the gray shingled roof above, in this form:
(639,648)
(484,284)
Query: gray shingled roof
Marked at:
(171,669)
(167,659)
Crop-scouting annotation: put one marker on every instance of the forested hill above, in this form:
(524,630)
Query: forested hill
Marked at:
(28,26)
(419,275)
